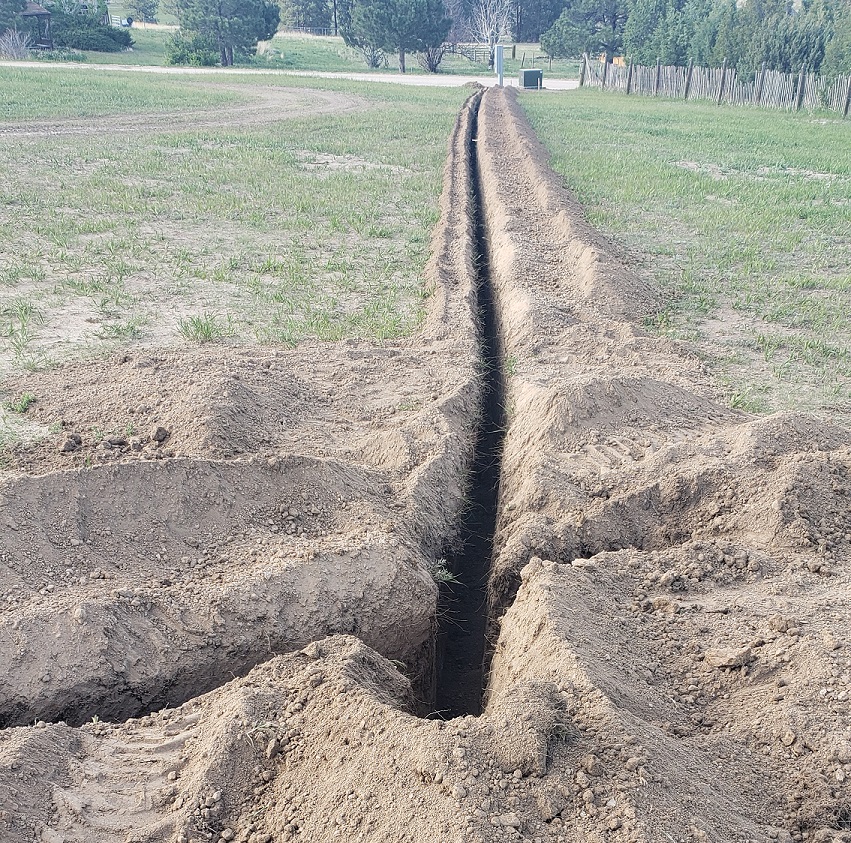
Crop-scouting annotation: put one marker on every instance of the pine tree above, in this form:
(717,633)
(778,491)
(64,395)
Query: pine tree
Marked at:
(400,26)
(9,11)
(233,25)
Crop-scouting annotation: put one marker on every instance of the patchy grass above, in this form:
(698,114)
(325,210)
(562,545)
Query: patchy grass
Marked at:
(148,49)
(56,92)
(21,403)
(204,327)
(315,226)
(741,216)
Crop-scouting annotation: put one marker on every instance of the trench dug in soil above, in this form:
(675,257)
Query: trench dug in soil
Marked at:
(231,630)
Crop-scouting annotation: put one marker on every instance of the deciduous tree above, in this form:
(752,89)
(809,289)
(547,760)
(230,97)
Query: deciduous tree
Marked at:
(491,21)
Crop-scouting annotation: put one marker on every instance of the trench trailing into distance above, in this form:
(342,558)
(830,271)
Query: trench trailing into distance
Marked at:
(463,651)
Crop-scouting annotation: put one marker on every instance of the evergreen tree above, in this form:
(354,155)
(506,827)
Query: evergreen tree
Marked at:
(593,26)
(400,26)
(232,25)
(534,17)
(837,52)
(9,11)
(640,30)
(310,14)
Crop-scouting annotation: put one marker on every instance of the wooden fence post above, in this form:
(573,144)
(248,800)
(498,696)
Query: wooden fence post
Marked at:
(799,96)
(847,100)
(688,77)
(605,74)
(629,79)
(583,69)
(658,83)
(760,85)
(723,79)
(513,51)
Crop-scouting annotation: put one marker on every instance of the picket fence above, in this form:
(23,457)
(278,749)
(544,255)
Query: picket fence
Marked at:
(769,88)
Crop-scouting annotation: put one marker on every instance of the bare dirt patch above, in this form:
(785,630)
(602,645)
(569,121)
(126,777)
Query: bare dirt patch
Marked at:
(668,598)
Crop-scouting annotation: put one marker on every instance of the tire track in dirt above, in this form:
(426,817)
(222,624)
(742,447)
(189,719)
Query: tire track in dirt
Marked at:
(266,104)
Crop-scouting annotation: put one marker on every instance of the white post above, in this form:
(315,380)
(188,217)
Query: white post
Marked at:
(499,58)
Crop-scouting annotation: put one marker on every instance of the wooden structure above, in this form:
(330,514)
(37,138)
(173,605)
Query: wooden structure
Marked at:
(39,20)
(769,88)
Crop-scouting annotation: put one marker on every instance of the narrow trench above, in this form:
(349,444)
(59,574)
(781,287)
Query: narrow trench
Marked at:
(463,618)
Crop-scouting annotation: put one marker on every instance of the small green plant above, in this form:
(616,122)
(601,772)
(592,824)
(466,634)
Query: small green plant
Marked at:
(129,329)
(440,572)
(21,404)
(206,327)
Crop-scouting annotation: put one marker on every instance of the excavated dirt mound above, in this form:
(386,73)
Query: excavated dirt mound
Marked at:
(668,600)
(259,500)
(681,571)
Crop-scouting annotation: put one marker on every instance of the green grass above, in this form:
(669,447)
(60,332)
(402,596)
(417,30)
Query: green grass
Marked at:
(203,327)
(148,49)
(62,92)
(314,226)
(741,216)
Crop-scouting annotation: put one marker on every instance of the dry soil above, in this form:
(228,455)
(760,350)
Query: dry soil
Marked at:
(250,581)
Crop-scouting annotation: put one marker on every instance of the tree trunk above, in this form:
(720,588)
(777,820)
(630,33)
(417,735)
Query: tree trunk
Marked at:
(335,17)
(401,60)
(224,56)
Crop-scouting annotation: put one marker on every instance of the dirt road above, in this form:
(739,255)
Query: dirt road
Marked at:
(668,613)
(434,80)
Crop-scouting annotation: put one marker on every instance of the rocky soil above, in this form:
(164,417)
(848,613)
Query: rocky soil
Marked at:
(250,577)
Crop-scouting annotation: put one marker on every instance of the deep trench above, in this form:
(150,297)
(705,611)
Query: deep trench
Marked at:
(463,651)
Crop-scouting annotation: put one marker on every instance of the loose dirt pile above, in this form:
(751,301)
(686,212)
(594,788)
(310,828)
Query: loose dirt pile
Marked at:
(669,610)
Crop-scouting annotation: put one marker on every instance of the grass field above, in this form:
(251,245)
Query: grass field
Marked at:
(311,226)
(742,217)
(61,93)
(148,49)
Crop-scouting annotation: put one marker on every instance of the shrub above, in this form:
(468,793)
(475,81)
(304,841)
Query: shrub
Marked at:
(14,45)
(192,49)
(430,58)
(83,32)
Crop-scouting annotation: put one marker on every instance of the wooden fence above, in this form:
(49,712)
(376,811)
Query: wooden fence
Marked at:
(769,88)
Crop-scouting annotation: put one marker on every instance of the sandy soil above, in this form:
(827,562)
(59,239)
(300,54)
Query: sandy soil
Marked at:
(669,610)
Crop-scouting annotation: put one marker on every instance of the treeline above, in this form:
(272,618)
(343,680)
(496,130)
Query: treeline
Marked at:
(783,35)
(525,20)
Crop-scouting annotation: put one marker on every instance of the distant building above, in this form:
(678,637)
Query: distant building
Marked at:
(38,19)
